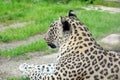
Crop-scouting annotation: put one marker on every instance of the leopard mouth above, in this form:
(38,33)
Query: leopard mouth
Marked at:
(51,45)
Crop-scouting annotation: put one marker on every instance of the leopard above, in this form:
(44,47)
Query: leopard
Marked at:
(80,57)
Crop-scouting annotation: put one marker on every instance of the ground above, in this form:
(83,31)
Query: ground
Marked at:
(9,66)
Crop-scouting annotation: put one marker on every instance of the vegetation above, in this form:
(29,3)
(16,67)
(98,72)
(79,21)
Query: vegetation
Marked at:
(36,46)
(43,15)
(107,3)
(21,33)
(101,23)
(43,12)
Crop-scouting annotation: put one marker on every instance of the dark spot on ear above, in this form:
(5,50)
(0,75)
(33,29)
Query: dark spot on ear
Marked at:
(71,13)
(66,26)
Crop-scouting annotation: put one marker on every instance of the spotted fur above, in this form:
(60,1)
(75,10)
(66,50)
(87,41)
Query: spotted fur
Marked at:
(80,57)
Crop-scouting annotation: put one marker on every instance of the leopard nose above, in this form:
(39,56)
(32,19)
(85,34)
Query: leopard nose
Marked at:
(51,45)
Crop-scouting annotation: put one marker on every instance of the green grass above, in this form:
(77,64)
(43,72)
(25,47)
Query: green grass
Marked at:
(25,11)
(44,13)
(11,11)
(21,33)
(35,46)
(107,3)
(40,13)
(101,23)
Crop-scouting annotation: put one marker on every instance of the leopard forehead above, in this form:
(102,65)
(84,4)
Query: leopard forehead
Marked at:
(61,29)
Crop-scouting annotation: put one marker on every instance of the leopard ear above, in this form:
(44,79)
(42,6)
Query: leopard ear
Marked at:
(65,24)
(72,13)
